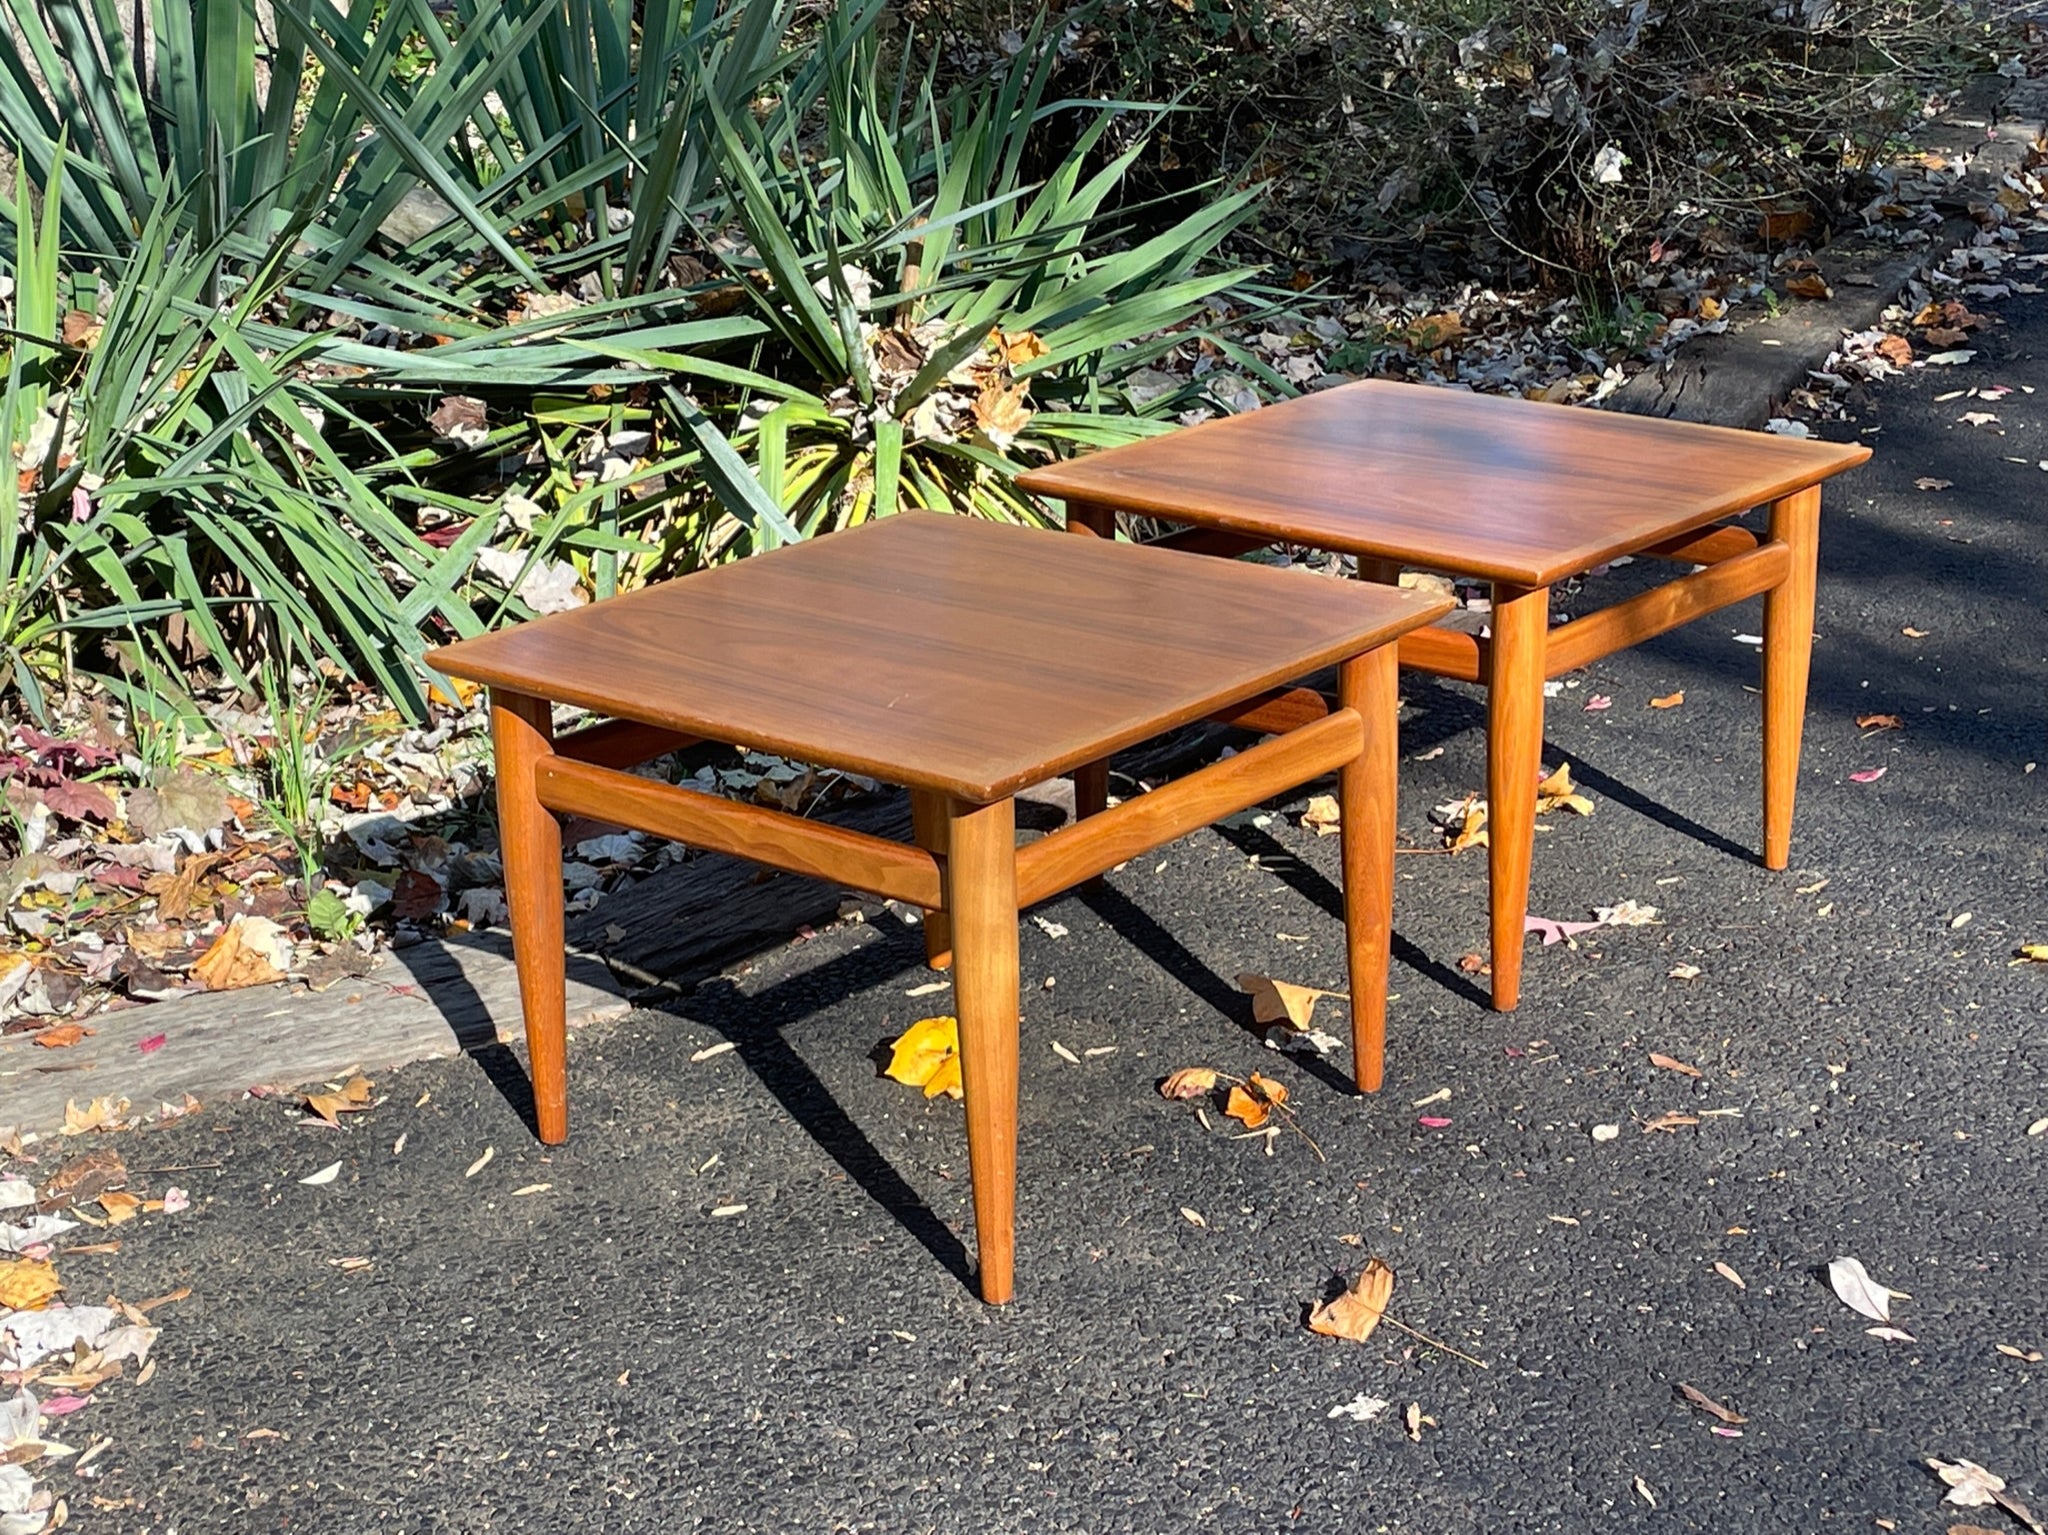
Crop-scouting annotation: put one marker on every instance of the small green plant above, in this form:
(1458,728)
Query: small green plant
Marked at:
(293,775)
(329,916)
(1608,323)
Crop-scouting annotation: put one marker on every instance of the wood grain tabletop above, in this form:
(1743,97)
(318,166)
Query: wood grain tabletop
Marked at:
(941,652)
(1506,490)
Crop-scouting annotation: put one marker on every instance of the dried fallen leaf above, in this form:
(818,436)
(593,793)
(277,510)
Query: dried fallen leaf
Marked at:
(1707,1404)
(1969,1484)
(1867,775)
(1929,482)
(1628,913)
(1357,1310)
(1189,1082)
(1064,1053)
(481,1162)
(2024,1355)
(1413,1419)
(1643,1492)
(1558,792)
(1668,701)
(1467,828)
(27,1285)
(1252,1101)
(1879,722)
(353,1098)
(1194,1217)
(120,1207)
(1671,1122)
(1891,1335)
(1360,1409)
(1002,412)
(1809,285)
(62,1037)
(326,1174)
(1280,1001)
(1669,1064)
(100,1114)
(927,1055)
(1435,330)
(1858,1291)
(251,951)
(1730,1275)
(1606,1132)
(1322,816)
(1684,972)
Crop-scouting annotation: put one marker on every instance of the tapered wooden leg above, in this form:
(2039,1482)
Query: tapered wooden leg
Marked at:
(1514,757)
(1384,572)
(928,826)
(1366,791)
(1788,656)
(530,839)
(981,894)
(1091,779)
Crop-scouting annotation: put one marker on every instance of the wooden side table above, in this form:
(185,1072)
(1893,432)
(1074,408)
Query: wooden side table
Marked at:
(1521,495)
(965,661)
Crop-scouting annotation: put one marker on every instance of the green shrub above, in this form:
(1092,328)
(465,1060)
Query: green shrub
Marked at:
(1538,136)
(438,313)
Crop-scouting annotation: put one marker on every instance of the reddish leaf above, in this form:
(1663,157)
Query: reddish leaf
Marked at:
(79,801)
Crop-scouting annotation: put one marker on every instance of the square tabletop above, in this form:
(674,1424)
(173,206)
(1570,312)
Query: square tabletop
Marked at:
(943,652)
(1506,490)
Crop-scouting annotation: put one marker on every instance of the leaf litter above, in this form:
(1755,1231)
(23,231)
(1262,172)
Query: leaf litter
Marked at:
(62,1356)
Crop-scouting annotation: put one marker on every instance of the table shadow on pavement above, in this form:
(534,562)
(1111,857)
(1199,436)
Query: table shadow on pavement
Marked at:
(754,1023)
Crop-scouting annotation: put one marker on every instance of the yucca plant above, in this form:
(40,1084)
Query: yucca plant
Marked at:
(169,460)
(936,320)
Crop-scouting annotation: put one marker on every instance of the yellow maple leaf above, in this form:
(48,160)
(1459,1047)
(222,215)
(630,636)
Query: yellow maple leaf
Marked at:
(26,1285)
(927,1055)
(1001,412)
(1558,792)
(1025,346)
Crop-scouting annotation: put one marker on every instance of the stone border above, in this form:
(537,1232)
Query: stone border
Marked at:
(1741,376)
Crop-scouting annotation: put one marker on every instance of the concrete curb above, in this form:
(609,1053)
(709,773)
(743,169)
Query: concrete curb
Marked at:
(1742,376)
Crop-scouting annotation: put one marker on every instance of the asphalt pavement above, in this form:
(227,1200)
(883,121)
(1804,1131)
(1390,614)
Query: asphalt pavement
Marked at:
(580,1339)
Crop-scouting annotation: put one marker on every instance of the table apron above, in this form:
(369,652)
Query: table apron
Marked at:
(1102,841)
(1586,640)
(622,743)
(890,869)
